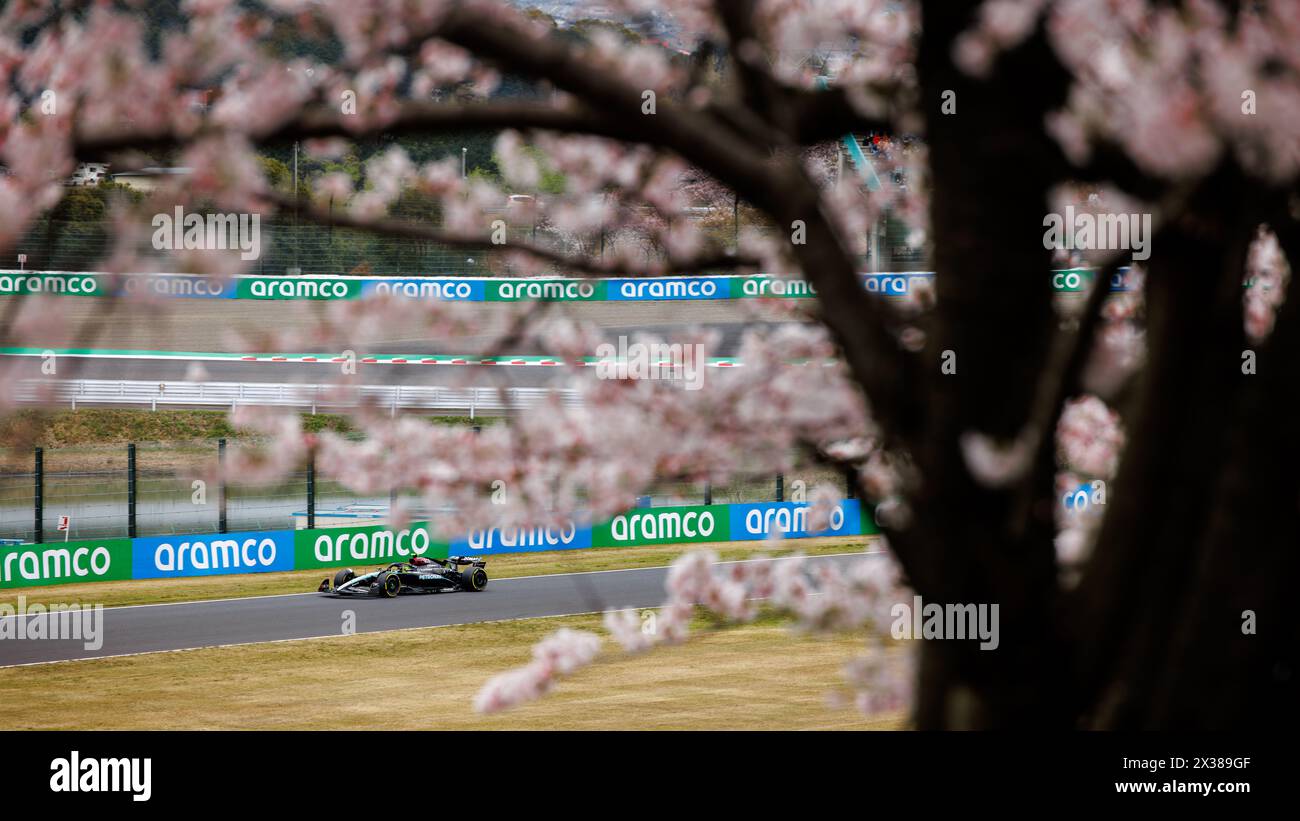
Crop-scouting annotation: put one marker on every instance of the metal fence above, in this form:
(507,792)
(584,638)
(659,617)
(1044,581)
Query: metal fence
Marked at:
(749,488)
(155,489)
(126,393)
(62,245)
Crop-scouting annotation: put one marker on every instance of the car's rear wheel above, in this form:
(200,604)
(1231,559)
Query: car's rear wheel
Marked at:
(343,577)
(389,585)
(474,579)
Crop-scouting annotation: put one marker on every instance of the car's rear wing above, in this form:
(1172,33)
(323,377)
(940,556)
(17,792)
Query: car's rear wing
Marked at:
(464,560)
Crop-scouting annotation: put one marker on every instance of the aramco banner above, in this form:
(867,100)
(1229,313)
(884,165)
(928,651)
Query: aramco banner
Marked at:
(475,289)
(219,554)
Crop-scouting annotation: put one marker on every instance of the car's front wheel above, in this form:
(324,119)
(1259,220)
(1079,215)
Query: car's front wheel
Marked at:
(389,585)
(343,577)
(474,579)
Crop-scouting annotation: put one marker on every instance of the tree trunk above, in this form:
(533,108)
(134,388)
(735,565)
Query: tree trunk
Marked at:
(988,162)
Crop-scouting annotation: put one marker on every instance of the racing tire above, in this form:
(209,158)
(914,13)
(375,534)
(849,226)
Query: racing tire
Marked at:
(389,585)
(343,577)
(474,579)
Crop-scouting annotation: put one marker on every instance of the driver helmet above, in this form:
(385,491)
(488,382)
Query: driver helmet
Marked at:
(420,561)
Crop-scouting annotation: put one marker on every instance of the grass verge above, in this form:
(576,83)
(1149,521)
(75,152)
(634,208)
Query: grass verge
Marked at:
(96,438)
(758,676)
(157,591)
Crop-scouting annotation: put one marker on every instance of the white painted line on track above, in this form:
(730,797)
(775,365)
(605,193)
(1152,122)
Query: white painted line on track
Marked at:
(495,581)
(305,638)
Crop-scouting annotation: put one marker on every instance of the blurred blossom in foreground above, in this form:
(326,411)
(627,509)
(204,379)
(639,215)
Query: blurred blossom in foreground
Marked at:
(1119,348)
(1267,277)
(559,654)
(1089,437)
(996,464)
(820,596)
(1089,442)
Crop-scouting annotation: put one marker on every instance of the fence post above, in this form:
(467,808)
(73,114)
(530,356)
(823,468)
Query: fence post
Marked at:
(221,486)
(780,487)
(130,490)
(708,492)
(311,489)
(38,531)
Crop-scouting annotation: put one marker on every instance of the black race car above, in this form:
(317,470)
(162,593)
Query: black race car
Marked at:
(420,575)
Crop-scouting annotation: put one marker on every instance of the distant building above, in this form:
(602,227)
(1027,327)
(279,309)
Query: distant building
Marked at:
(89,173)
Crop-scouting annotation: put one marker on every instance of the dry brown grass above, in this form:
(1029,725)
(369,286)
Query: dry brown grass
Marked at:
(759,676)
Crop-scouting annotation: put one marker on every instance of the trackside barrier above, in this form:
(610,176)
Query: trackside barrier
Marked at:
(472,289)
(219,554)
(152,395)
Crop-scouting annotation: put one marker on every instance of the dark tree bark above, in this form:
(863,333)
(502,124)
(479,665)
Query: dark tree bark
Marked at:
(1213,672)
(988,164)
(1194,535)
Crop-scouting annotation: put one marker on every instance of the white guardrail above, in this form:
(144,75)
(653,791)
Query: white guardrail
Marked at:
(212,395)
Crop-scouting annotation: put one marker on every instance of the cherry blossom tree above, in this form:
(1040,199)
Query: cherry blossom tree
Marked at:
(964,412)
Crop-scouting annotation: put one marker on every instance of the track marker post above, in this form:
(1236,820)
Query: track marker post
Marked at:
(221,487)
(38,530)
(311,489)
(131,490)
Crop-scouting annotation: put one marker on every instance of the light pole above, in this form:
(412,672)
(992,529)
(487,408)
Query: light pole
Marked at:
(464,152)
(297,234)
(296,270)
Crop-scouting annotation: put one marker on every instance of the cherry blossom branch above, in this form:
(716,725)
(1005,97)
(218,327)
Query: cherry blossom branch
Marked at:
(318,121)
(1066,360)
(405,229)
(673,125)
(793,116)
(783,191)
(758,89)
(1062,375)
(818,598)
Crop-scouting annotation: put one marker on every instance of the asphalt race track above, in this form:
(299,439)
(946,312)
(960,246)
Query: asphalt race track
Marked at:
(229,325)
(177,369)
(189,625)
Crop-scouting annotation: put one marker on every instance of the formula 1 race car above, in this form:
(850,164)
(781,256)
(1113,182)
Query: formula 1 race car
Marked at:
(420,575)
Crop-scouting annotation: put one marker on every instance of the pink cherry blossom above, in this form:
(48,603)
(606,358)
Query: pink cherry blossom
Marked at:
(1089,437)
(558,655)
(1267,276)
(997,464)
(627,628)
